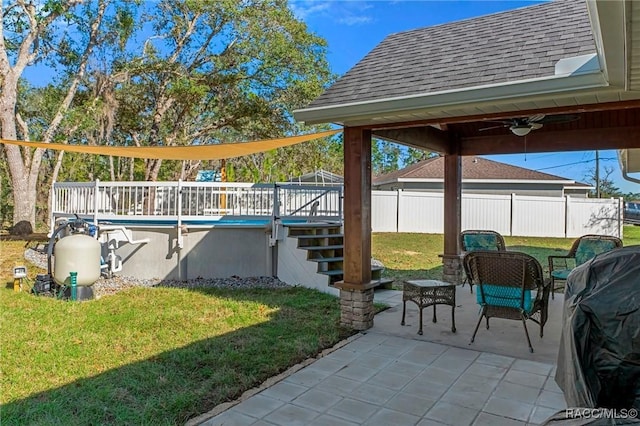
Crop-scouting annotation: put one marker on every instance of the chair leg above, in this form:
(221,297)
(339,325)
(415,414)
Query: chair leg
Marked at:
(434,313)
(404,308)
(526,333)
(468,281)
(487,318)
(453,319)
(477,326)
(553,288)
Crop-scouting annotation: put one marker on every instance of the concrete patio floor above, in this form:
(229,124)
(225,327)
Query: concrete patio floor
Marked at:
(390,375)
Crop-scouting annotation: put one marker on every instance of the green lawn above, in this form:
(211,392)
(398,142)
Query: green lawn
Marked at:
(410,256)
(155,356)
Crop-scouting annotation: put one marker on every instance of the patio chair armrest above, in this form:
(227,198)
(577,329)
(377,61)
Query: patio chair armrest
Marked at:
(554,260)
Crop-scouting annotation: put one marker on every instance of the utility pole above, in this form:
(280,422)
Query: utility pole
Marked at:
(597,174)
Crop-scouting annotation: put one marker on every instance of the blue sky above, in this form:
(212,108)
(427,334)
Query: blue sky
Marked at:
(352,28)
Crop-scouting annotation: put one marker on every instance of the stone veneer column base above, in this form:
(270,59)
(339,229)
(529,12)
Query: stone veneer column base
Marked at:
(356,308)
(452,269)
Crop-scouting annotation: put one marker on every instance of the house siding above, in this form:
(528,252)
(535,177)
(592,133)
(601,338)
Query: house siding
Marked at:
(531,189)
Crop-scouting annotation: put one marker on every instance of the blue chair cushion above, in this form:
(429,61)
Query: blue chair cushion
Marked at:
(504,296)
(561,274)
(588,249)
(474,242)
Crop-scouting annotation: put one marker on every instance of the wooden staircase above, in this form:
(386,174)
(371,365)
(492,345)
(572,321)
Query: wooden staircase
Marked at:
(324,244)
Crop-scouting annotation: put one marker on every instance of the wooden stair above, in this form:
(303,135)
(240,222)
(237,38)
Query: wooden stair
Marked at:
(324,244)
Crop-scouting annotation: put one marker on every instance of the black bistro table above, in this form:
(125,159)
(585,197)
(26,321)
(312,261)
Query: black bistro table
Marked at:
(425,293)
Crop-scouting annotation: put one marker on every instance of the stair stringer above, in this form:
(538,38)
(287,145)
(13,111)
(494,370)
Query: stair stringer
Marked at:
(295,269)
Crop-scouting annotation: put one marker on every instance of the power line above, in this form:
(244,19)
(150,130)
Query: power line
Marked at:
(577,162)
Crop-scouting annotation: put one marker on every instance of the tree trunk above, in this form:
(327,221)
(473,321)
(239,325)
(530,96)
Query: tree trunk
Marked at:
(153,170)
(112,171)
(18,168)
(54,178)
(24,165)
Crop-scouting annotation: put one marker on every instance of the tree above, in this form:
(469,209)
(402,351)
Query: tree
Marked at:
(413,156)
(60,34)
(205,72)
(604,183)
(387,157)
(215,72)
(285,163)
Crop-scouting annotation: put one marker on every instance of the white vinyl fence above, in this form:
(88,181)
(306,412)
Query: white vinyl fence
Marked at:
(514,215)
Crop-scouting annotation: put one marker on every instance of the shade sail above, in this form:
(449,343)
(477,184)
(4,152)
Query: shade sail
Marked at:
(190,152)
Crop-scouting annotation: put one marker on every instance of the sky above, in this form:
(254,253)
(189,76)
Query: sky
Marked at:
(353,28)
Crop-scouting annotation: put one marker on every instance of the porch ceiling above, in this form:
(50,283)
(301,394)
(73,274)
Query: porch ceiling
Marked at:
(596,126)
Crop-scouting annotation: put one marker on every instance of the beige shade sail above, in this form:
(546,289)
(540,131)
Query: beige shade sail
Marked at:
(190,152)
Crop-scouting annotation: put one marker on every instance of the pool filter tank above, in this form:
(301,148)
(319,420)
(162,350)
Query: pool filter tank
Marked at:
(81,254)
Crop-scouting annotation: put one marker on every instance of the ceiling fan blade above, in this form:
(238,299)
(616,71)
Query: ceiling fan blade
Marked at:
(535,125)
(561,118)
(536,118)
(502,126)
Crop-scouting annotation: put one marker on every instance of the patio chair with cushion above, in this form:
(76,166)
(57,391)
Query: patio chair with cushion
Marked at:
(473,239)
(583,249)
(510,286)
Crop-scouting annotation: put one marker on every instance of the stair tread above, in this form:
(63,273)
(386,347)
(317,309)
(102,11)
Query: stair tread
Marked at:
(332,272)
(331,247)
(341,271)
(327,259)
(313,225)
(311,236)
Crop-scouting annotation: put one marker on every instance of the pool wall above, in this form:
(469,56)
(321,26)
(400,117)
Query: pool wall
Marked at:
(216,252)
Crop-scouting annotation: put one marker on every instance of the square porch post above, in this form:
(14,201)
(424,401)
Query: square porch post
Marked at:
(452,218)
(356,289)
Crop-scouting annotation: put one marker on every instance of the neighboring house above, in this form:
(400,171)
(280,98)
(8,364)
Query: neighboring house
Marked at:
(481,176)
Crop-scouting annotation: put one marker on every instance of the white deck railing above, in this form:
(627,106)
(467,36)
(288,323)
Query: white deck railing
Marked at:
(193,201)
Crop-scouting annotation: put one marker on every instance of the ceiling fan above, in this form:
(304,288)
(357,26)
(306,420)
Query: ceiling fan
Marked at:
(522,126)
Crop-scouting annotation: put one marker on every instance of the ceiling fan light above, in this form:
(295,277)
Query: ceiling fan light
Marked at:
(520,130)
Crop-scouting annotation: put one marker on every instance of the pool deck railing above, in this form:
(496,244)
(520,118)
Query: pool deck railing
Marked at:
(194,203)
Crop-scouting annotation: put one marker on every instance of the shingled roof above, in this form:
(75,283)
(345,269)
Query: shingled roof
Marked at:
(516,45)
(473,168)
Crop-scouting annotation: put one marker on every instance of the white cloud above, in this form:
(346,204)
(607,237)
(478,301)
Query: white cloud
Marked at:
(343,12)
(304,9)
(355,20)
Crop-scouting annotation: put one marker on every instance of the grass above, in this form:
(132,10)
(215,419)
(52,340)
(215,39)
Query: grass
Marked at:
(149,355)
(415,256)
(164,355)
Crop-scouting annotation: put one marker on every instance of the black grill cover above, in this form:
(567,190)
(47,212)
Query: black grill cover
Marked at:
(599,355)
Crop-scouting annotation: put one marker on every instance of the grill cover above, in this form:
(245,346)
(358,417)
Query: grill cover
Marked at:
(599,355)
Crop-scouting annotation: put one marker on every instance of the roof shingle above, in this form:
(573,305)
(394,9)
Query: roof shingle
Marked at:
(472,168)
(515,45)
